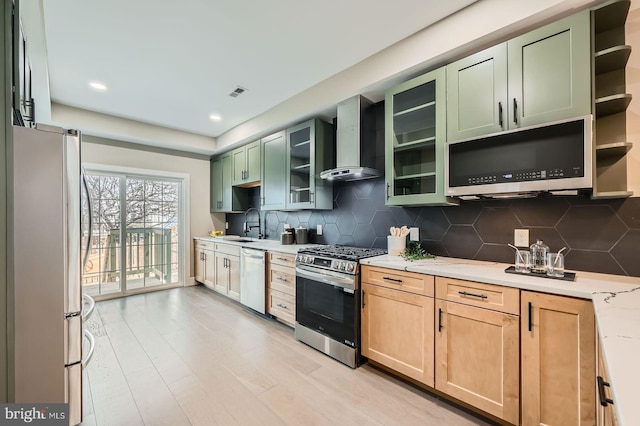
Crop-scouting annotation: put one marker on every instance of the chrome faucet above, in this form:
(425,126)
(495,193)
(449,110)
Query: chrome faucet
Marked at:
(248,227)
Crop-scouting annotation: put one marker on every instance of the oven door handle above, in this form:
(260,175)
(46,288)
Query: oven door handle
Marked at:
(326,277)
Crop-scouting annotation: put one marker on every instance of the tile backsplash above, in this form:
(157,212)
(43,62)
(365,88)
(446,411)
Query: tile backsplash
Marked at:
(600,236)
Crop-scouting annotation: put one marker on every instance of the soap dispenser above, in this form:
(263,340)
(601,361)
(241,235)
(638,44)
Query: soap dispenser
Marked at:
(539,252)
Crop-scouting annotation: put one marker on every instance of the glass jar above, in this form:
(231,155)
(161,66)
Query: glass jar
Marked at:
(539,252)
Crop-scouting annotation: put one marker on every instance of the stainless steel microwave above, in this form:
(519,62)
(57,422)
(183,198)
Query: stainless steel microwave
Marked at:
(550,157)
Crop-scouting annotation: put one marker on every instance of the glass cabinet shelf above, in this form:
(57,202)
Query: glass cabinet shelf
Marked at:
(415,108)
(418,143)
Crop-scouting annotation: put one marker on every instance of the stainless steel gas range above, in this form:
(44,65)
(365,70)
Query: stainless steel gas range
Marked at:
(328,299)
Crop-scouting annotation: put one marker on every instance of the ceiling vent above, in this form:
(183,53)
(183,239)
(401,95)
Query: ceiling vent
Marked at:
(237,92)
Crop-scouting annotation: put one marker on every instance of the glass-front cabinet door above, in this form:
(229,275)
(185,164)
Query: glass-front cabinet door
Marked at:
(415,141)
(310,151)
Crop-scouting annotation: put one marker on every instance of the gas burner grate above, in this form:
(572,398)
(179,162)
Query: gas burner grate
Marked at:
(344,252)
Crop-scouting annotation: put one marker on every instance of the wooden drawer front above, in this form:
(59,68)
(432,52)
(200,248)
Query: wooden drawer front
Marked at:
(282,306)
(489,296)
(399,280)
(204,245)
(283,259)
(282,279)
(228,249)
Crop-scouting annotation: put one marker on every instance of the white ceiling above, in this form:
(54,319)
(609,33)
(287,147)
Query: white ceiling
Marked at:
(173,62)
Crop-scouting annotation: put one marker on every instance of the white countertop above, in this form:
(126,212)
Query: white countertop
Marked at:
(268,245)
(616,301)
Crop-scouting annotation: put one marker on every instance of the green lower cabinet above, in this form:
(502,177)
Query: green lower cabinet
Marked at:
(415,136)
(273,192)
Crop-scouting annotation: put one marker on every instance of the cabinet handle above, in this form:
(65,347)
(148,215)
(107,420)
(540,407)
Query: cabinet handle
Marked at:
(604,401)
(262,201)
(284,259)
(312,197)
(387,191)
(282,279)
(282,306)
(464,293)
(500,114)
(530,316)
(439,320)
(364,301)
(515,111)
(391,279)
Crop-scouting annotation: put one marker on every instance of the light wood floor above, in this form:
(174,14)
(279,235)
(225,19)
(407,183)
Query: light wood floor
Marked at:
(188,356)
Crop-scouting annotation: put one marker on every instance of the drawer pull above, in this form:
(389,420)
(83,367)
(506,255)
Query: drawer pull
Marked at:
(280,305)
(284,259)
(481,296)
(391,279)
(282,279)
(604,401)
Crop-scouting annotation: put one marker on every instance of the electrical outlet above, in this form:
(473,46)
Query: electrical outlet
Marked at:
(414,234)
(226,225)
(521,237)
(319,230)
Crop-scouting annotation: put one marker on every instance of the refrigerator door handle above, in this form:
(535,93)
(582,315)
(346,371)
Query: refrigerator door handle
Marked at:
(71,196)
(92,346)
(87,249)
(73,339)
(86,314)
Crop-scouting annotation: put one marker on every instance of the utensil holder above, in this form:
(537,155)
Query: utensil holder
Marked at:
(396,245)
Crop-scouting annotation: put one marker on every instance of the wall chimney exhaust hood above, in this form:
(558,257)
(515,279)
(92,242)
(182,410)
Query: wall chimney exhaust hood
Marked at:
(355,142)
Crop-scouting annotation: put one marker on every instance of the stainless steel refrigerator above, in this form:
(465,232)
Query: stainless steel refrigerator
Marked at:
(47,193)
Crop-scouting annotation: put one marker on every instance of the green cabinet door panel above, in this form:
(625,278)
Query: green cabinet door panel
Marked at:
(239,165)
(550,72)
(216,185)
(477,94)
(274,172)
(253,157)
(227,178)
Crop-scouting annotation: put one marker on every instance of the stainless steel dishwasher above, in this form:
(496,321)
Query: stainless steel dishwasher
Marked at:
(252,286)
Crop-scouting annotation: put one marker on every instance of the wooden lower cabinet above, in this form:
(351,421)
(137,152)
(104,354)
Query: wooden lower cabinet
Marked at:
(209,276)
(397,331)
(558,360)
(606,411)
(281,287)
(477,358)
(227,279)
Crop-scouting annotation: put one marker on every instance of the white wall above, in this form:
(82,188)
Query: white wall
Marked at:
(201,221)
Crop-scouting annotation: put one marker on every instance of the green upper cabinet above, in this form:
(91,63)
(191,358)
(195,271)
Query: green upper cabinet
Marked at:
(536,78)
(216,184)
(415,136)
(550,72)
(310,150)
(273,192)
(477,94)
(224,197)
(246,164)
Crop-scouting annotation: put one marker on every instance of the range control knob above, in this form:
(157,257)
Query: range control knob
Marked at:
(351,266)
(335,264)
(309,259)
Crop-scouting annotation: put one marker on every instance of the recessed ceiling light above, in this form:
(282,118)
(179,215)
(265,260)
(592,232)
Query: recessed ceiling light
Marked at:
(215,117)
(96,85)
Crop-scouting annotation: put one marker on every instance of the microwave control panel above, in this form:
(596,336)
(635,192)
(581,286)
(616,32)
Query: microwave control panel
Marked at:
(523,176)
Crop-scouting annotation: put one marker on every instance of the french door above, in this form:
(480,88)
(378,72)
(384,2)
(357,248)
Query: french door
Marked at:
(136,233)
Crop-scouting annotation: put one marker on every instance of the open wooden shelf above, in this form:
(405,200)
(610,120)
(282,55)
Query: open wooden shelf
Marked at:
(616,148)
